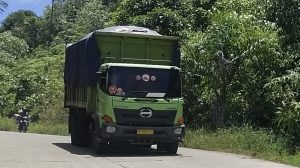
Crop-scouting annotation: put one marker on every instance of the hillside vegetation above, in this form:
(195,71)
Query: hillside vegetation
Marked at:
(246,53)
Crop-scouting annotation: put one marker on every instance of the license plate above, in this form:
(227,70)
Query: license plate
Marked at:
(144,132)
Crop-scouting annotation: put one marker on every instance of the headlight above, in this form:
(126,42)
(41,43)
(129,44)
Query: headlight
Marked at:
(177,131)
(111,129)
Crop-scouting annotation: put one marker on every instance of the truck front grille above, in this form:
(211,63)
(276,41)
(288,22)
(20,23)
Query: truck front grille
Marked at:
(131,117)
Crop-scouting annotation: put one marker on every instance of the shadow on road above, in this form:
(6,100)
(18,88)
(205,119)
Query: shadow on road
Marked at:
(113,151)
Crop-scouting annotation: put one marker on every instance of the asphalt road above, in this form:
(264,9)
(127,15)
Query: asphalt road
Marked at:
(19,150)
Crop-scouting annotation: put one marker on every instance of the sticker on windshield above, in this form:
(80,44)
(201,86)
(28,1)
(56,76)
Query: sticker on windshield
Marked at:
(138,77)
(119,90)
(155,94)
(153,78)
(146,77)
(112,89)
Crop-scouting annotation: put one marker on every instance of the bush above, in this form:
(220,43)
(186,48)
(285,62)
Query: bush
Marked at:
(48,128)
(7,124)
(243,140)
(15,46)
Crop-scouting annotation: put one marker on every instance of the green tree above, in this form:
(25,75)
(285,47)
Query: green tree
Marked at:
(15,21)
(25,25)
(285,88)
(39,84)
(286,97)
(34,34)
(286,14)
(111,4)
(167,17)
(92,16)
(7,83)
(236,56)
(13,45)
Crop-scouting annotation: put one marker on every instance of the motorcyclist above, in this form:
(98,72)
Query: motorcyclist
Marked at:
(23,120)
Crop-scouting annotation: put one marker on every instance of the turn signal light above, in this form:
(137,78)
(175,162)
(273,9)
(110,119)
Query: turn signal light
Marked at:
(107,119)
(180,121)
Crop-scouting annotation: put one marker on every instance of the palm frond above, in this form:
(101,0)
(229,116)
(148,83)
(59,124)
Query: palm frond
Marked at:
(3,5)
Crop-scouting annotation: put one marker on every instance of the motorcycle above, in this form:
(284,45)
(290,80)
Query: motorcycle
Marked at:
(22,122)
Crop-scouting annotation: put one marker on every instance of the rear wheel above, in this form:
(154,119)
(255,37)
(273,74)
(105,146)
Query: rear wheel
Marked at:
(80,134)
(24,130)
(20,127)
(74,130)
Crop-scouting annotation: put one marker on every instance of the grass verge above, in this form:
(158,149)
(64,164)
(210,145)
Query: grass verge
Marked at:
(260,144)
(48,128)
(7,124)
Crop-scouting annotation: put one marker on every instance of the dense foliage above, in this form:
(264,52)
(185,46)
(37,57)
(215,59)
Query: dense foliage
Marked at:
(245,53)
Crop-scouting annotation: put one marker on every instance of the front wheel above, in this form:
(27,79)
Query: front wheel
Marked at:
(172,148)
(98,147)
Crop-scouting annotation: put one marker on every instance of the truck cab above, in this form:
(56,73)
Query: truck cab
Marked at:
(140,104)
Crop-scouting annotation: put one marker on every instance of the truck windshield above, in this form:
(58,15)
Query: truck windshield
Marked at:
(144,82)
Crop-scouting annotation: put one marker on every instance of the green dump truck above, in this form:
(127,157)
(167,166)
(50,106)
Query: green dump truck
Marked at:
(122,86)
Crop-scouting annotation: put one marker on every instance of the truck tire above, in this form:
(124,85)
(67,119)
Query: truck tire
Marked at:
(161,147)
(73,130)
(84,137)
(98,147)
(172,148)
(80,133)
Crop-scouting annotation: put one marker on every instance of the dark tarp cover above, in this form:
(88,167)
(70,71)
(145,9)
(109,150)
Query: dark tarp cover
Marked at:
(82,62)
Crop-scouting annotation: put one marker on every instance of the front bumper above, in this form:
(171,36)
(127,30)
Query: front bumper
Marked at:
(129,134)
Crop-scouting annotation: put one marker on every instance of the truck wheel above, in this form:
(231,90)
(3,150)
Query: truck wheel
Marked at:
(74,130)
(161,147)
(172,148)
(98,147)
(80,134)
(147,146)
(84,137)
